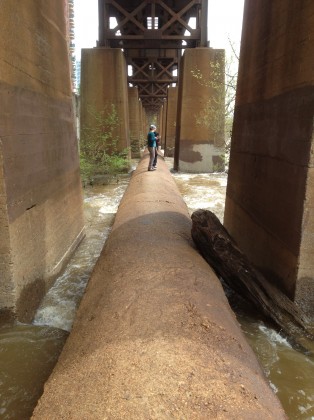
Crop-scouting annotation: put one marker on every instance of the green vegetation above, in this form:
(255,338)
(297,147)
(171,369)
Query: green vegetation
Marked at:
(220,106)
(213,113)
(99,154)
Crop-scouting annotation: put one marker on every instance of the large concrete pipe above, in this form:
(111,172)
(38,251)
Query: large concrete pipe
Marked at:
(154,337)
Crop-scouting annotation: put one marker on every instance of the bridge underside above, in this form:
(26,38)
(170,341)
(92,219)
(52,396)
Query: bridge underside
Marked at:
(152,35)
(161,41)
(269,184)
(269,205)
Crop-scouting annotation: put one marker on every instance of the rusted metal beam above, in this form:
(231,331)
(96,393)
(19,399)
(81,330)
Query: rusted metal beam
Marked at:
(101,24)
(153,34)
(131,25)
(203,23)
(111,35)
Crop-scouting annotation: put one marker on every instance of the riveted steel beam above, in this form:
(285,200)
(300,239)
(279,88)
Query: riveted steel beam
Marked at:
(153,35)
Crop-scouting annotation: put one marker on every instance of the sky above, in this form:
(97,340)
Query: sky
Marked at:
(224,20)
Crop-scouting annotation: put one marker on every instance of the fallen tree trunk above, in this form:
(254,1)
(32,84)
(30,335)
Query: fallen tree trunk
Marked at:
(221,252)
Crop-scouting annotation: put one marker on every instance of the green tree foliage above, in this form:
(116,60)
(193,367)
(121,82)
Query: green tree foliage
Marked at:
(213,113)
(99,153)
(223,82)
(231,79)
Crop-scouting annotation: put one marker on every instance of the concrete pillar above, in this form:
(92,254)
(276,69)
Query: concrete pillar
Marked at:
(269,205)
(41,215)
(104,90)
(160,121)
(164,119)
(146,123)
(171,120)
(134,122)
(200,118)
(142,126)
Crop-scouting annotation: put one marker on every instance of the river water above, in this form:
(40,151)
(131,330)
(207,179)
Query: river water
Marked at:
(28,353)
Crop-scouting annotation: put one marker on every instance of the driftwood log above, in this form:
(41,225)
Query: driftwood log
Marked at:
(223,255)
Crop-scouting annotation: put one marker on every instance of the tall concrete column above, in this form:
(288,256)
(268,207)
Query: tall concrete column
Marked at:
(142,126)
(135,122)
(41,214)
(269,205)
(171,119)
(160,121)
(200,118)
(146,123)
(164,119)
(104,88)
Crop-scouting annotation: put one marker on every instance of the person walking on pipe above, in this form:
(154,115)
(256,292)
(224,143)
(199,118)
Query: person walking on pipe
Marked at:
(151,145)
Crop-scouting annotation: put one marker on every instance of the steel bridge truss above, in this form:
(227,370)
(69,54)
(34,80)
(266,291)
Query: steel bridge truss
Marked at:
(153,35)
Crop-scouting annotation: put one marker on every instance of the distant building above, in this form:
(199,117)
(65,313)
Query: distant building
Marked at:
(69,19)
(78,75)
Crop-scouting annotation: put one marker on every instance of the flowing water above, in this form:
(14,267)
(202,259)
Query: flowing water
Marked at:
(28,353)
(289,371)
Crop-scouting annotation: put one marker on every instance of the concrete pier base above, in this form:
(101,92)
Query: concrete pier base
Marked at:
(199,140)
(41,212)
(104,94)
(134,122)
(170,138)
(154,337)
(270,201)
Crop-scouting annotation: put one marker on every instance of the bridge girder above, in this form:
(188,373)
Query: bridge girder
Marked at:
(152,35)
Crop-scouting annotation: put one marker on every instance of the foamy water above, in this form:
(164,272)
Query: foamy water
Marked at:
(59,306)
(28,353)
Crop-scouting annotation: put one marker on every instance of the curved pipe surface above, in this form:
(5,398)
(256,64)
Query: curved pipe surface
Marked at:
(154,336)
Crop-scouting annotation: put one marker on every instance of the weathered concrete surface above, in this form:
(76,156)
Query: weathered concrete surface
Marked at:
(104,93)
(164,120)
(154,337)
(41,212)
(134,122)
(172,103)
(199,142)
(269,203)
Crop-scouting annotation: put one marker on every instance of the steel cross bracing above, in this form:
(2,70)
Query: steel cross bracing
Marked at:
(152,35)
